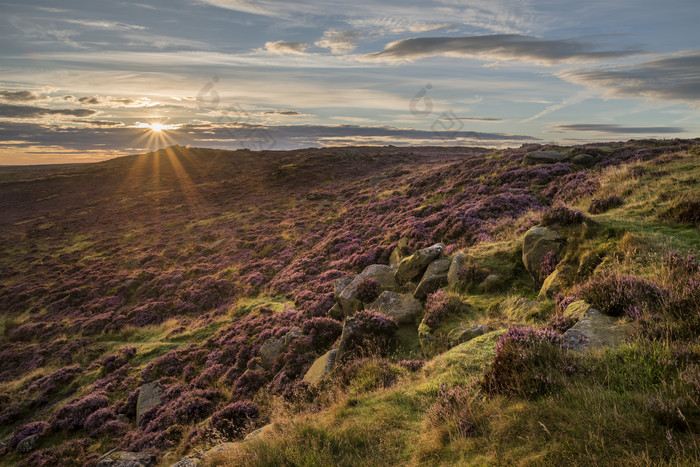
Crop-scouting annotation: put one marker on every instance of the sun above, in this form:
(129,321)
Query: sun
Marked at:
(157,127)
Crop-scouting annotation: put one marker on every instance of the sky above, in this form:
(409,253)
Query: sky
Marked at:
(83,81)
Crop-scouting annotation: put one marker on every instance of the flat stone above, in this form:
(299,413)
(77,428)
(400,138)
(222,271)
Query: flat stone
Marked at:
(28,444)
(595,331)
(460,335)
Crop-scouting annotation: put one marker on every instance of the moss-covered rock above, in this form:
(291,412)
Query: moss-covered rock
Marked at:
(414,266)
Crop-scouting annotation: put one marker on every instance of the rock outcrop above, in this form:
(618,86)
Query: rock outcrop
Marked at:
(595,330)
(538,242)
(413,267)
(403,308)
(383,274)
(435,277)
(459,260)
(460,335)
(321,367)
(400,252)
(127,459)
(273,347)
(518,308)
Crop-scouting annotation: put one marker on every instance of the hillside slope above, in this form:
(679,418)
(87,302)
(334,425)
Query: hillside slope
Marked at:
(213,272)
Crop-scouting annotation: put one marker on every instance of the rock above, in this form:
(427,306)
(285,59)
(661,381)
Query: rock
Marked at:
(28,444)
(340,284)
(458,261)
(595,331)
(255,434)
(186,462)
(434,278)
(412,268)
(577,309)
(128,459)
(271,349)
(430,343)
(336,312)
(404,308)
(460,335)
(383,274)
(518,308)
(544,157)
(551,286)
(583,159)
(321,367)
(149,396)
(400,252)
(537,243)
(492,283)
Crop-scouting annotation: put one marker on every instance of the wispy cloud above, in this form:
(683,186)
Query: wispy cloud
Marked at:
(497,47)
(19,96)
(27,111)
(339,42)
(674,77)
(618,129)
(108,25)
(282,47)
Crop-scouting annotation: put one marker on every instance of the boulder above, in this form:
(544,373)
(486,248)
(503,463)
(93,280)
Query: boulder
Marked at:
(28,444)
(128,459)
(260,432)
(400,252)
(492,283)
(594,331)
(149,397)
(383,274)
(186,462)
(412,268)
(577,309)
(544,157)
(404,308)
(460,335)
(583,159)
(537,243)
(273,347)
(321,367)
(336,312)
(459,260)
(518,308)
(551,286)
(340,284)
(434,278)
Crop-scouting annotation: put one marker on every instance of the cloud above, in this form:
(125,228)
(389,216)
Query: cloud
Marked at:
(26,111)
(340,42)
(618,129)
(497,47)
(94,100)
(108,25)
(283,112)
(113,102)
(396,25)
(282,47)
(19,96)
(476,119)
(674,77)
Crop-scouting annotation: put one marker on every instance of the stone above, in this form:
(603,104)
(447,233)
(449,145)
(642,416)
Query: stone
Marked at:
(321,367)
(404,308)
(400,252)
(583,159)
(271,349)
(544,157)
(336,312)
(149,397)
(595,331)
(537,243)
(492,283)
(518,308)
(186,462)
(340,283)
(383,274)
(128,459)
(260,432)
(414,266)
(551,286)
(459,260)
(28,444)
(577,309)
(434,278)
(460,335)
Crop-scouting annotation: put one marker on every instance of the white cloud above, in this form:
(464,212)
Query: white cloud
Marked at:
(339,42)
(282,47)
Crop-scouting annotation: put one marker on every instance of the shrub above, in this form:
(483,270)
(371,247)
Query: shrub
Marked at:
(548,264)
(33,428)
(619,295)
(370,330)
(561,324)
(452,411)
(322,331)
(412,365)
(471,274)
(525,363)
(561,215)
(368,290)
(601,205)
(232,420)
(438,305)
(97,420)
(74,415)
(684,209)
(562,301)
